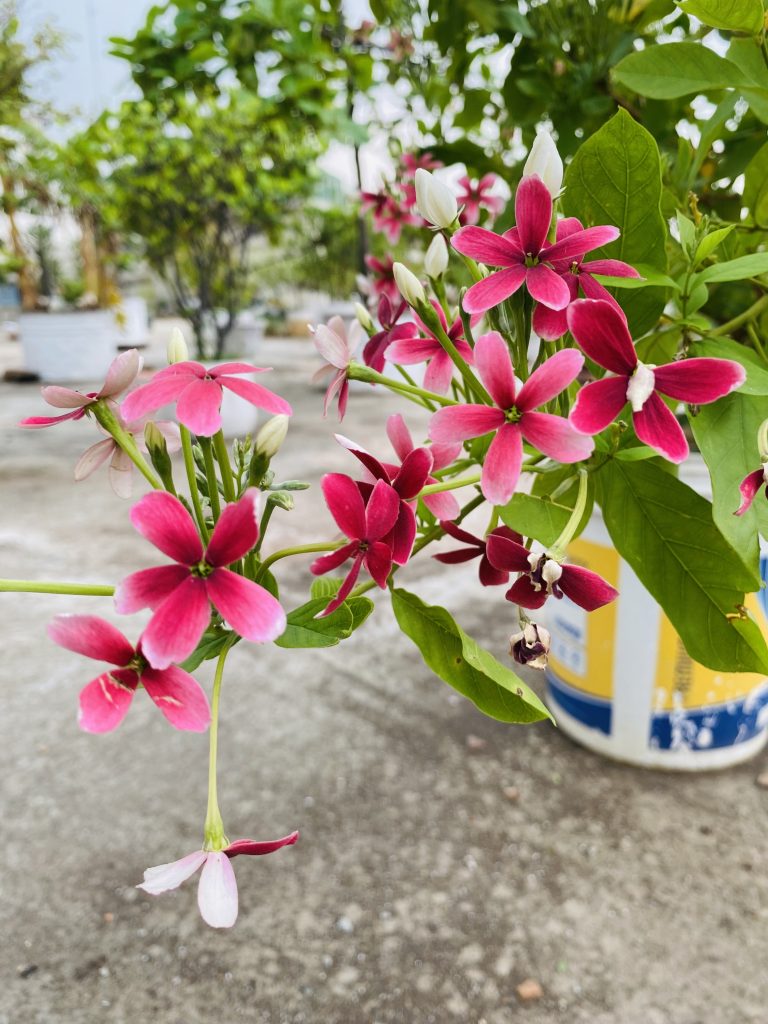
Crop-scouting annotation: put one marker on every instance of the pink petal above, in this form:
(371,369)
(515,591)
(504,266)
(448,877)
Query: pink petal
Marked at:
(164,877)
(611,268)
(458,556)
(339,379)
(163,521)
(585,588)
(248,608)
(580,242)
(602,333)
(199,405)
(346,587)
(749,488)
(501,469)
(494,366)
(226,368)
(121,474)
(371,463)
(94,457)
(552,377)
(49,421)
(343,397)
(327,563)
(523,593)
(331,346)
(91,636)
(121,374)
(378,562)
(547,287)
(533,213)
(416,467)
(556,437)
(399,436)
(254,848)
(439,374)
(381,511)
(549,324)
(493,290)
(180,697)
(486,247)
(217,891)
(594,290)
(489,576)
(236,532)
(149,397)
(65,398)
(402,536)
(658,428)
(148,588)
(345,504)
(412,350)
(459,422)
(257,395)
(442,505)
(177,625)
(444,454)
(598,404)
(699,380)
(567,226)
(506,554)
(104,702)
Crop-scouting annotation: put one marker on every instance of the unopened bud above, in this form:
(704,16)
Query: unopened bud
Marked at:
(436,260)
(434,200)
(544,160)
(271,435)
(363,317)
(177,347)
(530,646)
(157,448)
(409,285)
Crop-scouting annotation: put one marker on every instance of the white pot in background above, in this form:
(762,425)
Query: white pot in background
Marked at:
(69,348)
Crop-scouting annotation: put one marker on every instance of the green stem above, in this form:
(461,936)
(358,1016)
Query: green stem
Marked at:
(44,587)
(756,343)
(558,549)
(189,465)
(472,384)
(449,485)
(412,383)
(304,549)
(749,314)
(210,472)
(265,517)
(222,457)
(214,838)
(357,371)
(125,441)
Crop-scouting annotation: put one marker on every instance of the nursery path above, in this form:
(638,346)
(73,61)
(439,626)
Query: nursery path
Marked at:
(423,889)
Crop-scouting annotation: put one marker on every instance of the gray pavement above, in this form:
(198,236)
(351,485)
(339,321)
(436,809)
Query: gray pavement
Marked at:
(419,892)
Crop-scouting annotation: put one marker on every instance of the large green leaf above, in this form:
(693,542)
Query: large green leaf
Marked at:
(459,661)
(664,530)
(615,178)
(733,15)
(672,70)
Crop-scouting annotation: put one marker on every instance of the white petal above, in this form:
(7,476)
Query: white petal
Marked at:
(217,892)
(170,876)
(94,457)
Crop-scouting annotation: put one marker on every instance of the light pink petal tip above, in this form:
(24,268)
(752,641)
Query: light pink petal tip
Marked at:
(177,625)
(180,698)
(248,608)
(236,532)
(122,373)
(198,407)
(217,892)
(164,877)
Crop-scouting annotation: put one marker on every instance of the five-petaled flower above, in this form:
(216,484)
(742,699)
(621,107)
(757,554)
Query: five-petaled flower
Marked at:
(542,576)
(523,252)
(104,701)
(489,575)
(514,417)
(180,595)
(388,215)
(337,344)
(198,394)
(217,889)
(412,349)
(476,196)
(442,504)
(602,332)
(390,331)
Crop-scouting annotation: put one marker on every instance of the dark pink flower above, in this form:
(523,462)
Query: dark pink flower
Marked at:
(513,417)
(750,486)
(120,375)
(413,162)
(336,344)
(383,277)
(490,576)
(414,349)
(542,576)
(602,332)
(523,252)
(365,524)
(550,324)
(104,702)
(476,196)
(198,394)
(389,216)
(181,594)
(217,889)
(443,504)
(391,330)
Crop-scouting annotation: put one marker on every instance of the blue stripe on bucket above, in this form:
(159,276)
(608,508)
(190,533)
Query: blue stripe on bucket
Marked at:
(590,711)
(710,728)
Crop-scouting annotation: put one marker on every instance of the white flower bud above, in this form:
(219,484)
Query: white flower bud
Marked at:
(177,347)
(434,200)
(271,435)
(436,260)
(409,285)
(545,161)
(363,317)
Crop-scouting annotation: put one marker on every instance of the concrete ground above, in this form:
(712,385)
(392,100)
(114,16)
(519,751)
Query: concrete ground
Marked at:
(422,891)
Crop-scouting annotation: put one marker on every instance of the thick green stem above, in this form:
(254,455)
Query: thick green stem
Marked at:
(222,457)
(194,493)
(210,473)
(44,587)
(214,838)
(125,441)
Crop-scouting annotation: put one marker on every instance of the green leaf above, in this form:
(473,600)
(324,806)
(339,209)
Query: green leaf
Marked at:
(756,186)
(651,279)
(733,15)
(535,516)
(304,629)
(664,530)
(710,242)
(615,178)
(735,270)
(636,454)
(687,230)
(663,73)
(458,660)
(726,348)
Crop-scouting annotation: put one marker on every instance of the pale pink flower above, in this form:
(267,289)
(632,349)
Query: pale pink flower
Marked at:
(337,344)
(121,468)
(390,330)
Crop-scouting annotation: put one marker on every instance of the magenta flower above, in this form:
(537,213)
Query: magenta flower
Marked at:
(413,162)
(550,324)
(121,468)
(383,277)
(442,505)
(180,594)
(217,889)
(749,487)
(523,252)
(414,349)
(365,524)
(391,330)
(476,196)
(388,216)
(602,332)
(489,575)
(198,394)
(514,417)
(336,344)
(542,576)
(121,374)
(104,702)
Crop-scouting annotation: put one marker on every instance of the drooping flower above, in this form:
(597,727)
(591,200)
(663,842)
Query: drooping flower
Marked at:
(410,350)
(365,524)
(476,196)
(489,575)
(122,372)
(104,702)
(198,394)
(523,252)
(217,889)
(514,417)
(545,161)
(180,595)
(121,468)
(337,344)
(550,324)
(750,487)
(530,645)
(383,278)
(389,216)
(602,333)
(391,330)
(542,576)
(443,504)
